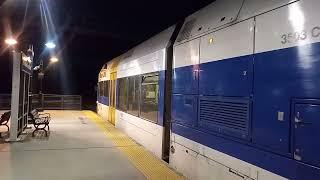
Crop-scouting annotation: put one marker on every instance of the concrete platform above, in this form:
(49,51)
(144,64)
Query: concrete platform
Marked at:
(76,149)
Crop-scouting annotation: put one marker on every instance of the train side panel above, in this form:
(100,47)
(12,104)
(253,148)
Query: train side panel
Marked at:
(145,66)
(286,68)
(253,100)
(147,133)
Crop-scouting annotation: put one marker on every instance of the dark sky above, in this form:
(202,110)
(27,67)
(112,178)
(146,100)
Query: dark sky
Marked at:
(88,33)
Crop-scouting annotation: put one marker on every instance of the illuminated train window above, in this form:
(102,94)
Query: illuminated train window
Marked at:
(133,95)
(122,94)
(100,88)
(103,88)
(149,97)
(138,96)
(106,89)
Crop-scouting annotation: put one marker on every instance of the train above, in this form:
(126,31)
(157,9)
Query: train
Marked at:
(232,92)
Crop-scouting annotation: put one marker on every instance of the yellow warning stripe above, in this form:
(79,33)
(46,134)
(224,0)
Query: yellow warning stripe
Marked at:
(146,162)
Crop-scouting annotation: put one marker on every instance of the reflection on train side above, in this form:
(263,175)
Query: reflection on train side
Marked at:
(138,96)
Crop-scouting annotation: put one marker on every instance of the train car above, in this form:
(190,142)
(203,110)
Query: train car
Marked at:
(103,93)
(141,74)
(246,91)
(106,93)
(232,94)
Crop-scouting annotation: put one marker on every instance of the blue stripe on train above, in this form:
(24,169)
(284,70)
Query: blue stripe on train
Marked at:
(230,77)
(185,80)
(103,100)
(273,79)
(277,164)
(279,76)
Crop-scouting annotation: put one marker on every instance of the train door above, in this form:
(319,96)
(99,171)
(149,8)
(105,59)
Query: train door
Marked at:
(112,99)
(306,133)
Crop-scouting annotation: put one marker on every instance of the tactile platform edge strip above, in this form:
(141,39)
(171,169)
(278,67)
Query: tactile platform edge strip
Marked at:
(144,161)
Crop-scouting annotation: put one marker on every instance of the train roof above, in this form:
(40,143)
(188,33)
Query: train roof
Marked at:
(223,13)
(157,42)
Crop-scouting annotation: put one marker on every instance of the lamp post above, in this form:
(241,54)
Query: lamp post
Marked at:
(41,74)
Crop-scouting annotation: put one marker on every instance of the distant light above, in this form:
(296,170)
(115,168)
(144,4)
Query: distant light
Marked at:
(26,59)
(11,41)
(54,60)
(50,45)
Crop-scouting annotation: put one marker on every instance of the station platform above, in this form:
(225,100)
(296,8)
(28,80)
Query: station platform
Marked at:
(80,146)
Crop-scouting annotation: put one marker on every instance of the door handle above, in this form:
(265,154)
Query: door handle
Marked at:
(298,121)
(304,123)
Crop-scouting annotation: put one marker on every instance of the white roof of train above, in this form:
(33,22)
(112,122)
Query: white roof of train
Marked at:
(223,13)
(157,42)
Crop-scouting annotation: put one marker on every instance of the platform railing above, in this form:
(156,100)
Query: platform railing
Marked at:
(46,102)
(56,102)
(5,101)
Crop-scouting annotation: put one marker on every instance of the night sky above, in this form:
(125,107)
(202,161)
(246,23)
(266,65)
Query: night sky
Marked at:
(87,34)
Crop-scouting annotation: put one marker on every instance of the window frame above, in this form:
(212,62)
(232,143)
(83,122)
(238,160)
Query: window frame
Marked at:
(118,93)
(100,88)
(140,78)
(152,74)
(106,88)
(136,78)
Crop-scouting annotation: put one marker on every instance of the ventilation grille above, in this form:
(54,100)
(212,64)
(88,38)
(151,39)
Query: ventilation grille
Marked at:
(186,31)
(228,117)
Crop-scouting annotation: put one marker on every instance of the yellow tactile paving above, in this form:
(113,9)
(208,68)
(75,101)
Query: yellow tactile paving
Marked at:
(147,163)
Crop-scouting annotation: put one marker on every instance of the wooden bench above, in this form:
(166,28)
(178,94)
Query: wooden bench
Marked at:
(5,117)
(40,121)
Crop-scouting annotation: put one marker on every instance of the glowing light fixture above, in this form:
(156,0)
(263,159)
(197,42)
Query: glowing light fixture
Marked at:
(50,45)
(11,41)
(54,60)
(26,59)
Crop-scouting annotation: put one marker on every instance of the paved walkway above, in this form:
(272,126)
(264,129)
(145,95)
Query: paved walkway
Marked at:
(77,149)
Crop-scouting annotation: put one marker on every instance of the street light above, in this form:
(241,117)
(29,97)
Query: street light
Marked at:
(50,45)
(41,70)
(11,41)
(54,60)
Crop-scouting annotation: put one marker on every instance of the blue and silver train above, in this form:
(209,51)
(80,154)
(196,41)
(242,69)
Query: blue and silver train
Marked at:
(232,93)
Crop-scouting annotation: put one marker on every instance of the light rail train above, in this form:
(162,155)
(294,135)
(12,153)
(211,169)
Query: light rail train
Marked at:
(233,92)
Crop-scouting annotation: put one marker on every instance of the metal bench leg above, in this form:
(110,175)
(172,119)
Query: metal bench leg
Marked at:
(38,129)
(3,125)
(34,132)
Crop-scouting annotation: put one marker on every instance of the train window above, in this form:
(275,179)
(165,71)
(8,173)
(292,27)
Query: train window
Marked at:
(122,94)
(133,95)
(106,89)
(98,91)
(149,97)
(101,88)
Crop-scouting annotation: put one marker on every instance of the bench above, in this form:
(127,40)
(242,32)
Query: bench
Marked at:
(5,117)
(40,121)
